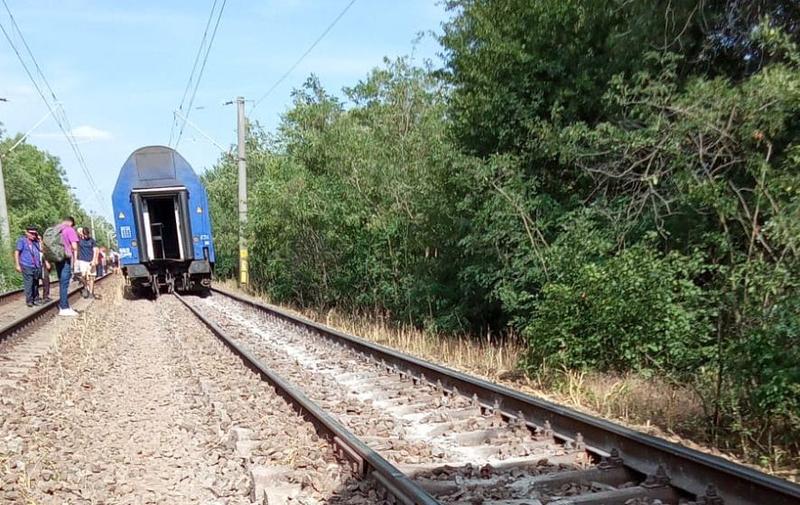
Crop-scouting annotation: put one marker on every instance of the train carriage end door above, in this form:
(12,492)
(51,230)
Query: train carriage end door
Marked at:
(164,223)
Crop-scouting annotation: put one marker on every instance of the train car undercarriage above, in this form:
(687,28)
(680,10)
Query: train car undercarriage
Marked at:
(168,263)
(169,276)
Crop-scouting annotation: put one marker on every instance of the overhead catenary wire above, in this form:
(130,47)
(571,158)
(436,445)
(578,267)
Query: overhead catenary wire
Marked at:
(39,71)
(306,53)
(202,69)
(56,109)
(28,49)
(194,69)
(53,108)
(203,133)
(27,70)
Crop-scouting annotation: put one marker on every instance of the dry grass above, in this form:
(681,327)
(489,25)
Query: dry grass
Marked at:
(646,404)
(458,351)
(649,405)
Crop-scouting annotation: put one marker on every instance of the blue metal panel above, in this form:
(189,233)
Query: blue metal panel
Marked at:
(159,167)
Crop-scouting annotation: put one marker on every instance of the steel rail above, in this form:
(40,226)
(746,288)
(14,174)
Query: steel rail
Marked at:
(13,292)
(689,470)
(41,311)
(9,294)
(366,461)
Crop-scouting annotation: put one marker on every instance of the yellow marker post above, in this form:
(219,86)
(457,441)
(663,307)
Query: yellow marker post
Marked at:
(244,274)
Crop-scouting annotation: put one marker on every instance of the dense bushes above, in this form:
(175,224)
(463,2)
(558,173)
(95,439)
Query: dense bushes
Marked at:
(619,186)
(708,165)
(637,310)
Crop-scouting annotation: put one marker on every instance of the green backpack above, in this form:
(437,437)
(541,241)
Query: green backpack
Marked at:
(53,246)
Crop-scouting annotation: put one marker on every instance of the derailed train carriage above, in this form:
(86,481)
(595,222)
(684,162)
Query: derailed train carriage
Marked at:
(162,222)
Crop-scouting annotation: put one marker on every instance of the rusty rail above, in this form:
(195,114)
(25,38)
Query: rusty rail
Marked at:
(694,472)
(34,314)
(14,292)
(365,461)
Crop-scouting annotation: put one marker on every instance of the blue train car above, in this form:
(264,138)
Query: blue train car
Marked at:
(162,222)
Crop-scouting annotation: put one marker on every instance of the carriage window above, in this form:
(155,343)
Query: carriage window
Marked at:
(155,165)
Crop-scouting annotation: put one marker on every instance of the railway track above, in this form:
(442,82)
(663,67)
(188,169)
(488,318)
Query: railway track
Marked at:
(12,303)
(13,294)
(428,434)
(161,416)
(16,317)
(22,340)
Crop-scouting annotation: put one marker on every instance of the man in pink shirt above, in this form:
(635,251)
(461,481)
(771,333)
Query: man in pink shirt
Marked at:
(64,268)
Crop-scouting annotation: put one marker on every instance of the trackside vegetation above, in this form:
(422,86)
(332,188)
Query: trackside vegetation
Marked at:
(37,194)
(615,183)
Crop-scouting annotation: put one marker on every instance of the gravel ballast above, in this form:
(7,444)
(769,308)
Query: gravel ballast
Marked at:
(139,404)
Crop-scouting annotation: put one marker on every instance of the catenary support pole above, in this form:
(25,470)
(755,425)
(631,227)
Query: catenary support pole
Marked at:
(5,234)
(244,277)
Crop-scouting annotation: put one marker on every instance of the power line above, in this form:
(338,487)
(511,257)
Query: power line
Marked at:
(59,113)
(27,48)
(27,71)
(299,60)
(61,119)
(35,83)
(202,69)
(194,69)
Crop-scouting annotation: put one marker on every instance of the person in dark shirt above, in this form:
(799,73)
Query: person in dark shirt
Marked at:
(28,261)
(46,268)
(101,262)
(87,261)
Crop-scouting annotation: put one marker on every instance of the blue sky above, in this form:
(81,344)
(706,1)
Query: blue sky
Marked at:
(119,68)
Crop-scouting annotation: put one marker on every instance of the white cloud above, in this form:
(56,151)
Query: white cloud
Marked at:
(82,134)
(86,132)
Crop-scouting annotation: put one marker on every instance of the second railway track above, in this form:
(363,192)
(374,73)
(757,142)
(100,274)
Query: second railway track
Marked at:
(23,336)
(433,435)
(15,316)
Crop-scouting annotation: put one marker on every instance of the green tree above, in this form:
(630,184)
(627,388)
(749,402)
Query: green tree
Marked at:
(37,194)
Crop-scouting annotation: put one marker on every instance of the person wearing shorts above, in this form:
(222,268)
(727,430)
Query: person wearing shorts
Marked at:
(87,261)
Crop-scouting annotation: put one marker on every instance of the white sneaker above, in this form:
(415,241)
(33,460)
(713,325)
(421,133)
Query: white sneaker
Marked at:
(67,312)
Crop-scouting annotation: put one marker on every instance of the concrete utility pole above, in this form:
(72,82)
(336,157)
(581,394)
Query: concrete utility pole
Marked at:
(244,276)
(5,232)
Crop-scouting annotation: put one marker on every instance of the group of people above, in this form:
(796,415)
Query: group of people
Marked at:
(81,259)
